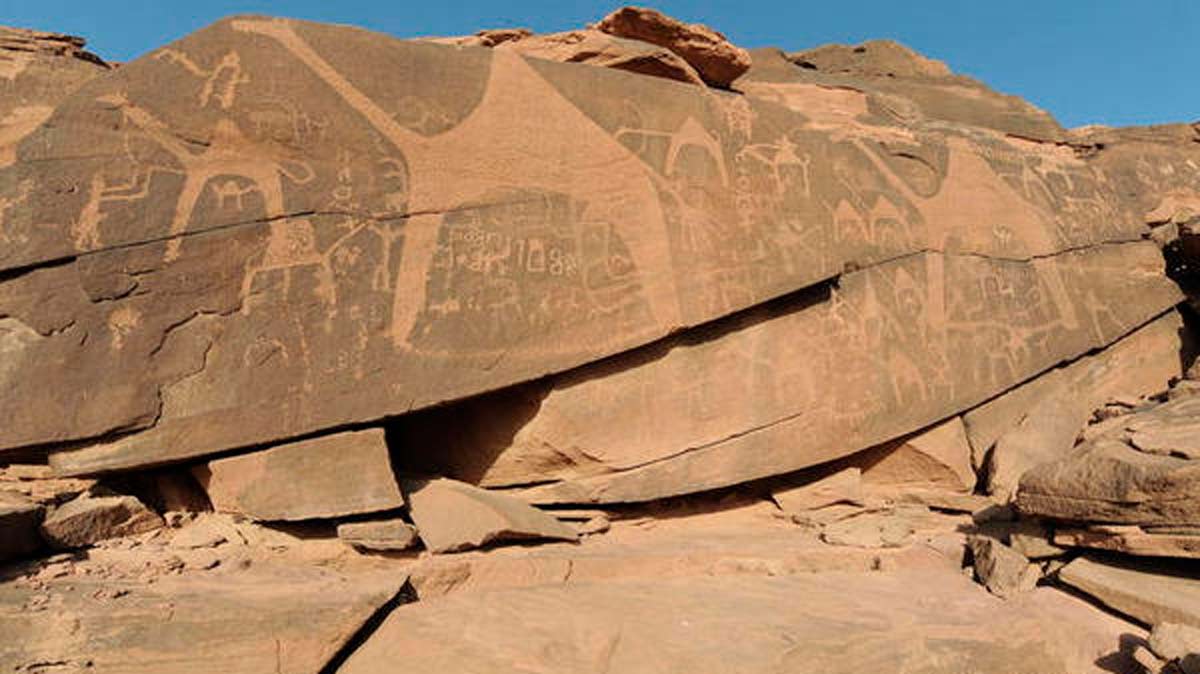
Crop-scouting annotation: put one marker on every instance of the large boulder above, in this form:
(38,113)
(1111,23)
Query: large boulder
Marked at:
(909,342)
(1110,480)
(718,61)
(398,241)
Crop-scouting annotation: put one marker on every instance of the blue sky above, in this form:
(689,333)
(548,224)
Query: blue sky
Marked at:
(1086,61)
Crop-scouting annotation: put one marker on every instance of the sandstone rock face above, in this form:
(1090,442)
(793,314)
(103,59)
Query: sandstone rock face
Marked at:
(908,84)
(331,476)
(754,403)
(330,286)
(601,49)
(845,623)
(842,487)
(1054,412)
(37,71)
(1148,592)
(453,516)
(1107,480)
(718,61)
(19,520)
(92,518)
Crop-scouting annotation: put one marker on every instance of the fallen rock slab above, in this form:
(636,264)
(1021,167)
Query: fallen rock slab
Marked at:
(383,535)
(715,58)
(1151,592)
(19,522)
(452,516)
(1131,540)
(330,476)
(90,518)
(1002,570)
(931,621)
(596,48)
(1045,428)
(1107,481)
(842,487)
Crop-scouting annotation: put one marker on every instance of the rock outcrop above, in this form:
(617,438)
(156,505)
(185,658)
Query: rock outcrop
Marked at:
(323,350)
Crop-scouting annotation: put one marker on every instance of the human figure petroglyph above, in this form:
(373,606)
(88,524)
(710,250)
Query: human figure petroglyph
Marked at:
(499,123)
(220,83)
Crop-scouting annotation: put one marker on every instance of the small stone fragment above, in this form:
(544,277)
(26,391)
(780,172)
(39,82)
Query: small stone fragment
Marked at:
(89,519)
(1177,643)
(597,525)
(453,516)
(1002,570)
(384,535)
(1149,661)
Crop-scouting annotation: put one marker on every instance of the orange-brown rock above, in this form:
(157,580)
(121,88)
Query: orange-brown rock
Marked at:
(909,343)
(1108,480)
(718,61)
(1133,540)
(1046,419)
(601,49)
(1150,591)
(835,623)
(93,517)
(330,476)
(452,516)
(37,71)
(307,266)
(19,520)
(938,458)
(902,83)
(268,618)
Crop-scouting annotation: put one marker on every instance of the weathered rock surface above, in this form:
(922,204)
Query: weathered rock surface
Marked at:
(37,71)
(895,337)
(1107,480)
(334,286)
(91,518)
(601,49)
(330,476)
(383,535)
(718,61)
(846,622)
(939,458)
(453,516)
(898,83)
(1132,540)
(1054,412)
(845,486)
(19,522)
(1177,642)
(1151,592)
(277,619)
(1002,570)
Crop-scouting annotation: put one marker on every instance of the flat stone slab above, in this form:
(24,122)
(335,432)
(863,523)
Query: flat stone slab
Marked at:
(1109,481)
(1132,540)
(383,535)
(452,516)
(330,476)
(928,621)
(1151,591)
(90,518)
(291,620)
